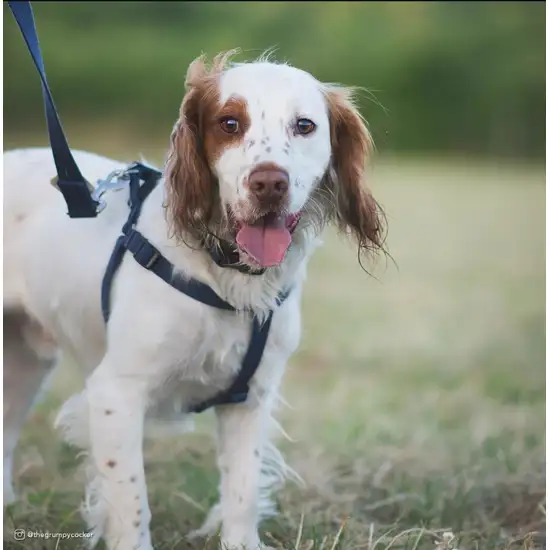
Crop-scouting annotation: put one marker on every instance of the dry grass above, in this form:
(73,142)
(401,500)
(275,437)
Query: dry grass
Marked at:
(418,398)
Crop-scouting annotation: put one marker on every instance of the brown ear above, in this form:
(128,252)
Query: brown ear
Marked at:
(356,210)
(191,186)
(188,177)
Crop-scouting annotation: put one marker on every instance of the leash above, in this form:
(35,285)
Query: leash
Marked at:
(74,188)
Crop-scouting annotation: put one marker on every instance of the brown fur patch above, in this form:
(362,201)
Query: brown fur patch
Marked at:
(216,141)
(355,209)
(196,142)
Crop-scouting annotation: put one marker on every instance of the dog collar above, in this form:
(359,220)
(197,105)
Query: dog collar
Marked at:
(226,255)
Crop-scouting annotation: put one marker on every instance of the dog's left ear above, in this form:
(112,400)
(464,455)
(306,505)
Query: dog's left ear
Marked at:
(356,210)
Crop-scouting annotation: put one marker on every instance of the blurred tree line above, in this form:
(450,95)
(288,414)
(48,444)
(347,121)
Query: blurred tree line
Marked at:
(464,77)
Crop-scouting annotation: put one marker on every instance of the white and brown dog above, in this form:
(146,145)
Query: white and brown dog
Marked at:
(257,146)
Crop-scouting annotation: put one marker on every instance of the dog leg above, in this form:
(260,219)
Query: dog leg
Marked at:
(117,497)
(29,356)
(241,439)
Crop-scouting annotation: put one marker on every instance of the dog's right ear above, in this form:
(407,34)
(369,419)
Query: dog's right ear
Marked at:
(188,177)
(190,184)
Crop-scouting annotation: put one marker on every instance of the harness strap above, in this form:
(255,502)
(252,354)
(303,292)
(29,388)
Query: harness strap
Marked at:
(71,183)
(138,193)
(149,257)
(238,391)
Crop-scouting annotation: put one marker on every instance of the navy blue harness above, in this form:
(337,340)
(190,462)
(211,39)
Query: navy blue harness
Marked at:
(82,203)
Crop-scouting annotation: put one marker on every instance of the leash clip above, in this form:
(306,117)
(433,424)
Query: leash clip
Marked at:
(115,181)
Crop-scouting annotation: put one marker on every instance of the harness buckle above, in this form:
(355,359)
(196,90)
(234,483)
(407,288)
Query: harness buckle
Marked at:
(154,258)
(143,251)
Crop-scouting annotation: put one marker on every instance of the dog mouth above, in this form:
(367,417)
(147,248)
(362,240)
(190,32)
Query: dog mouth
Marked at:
(267,239)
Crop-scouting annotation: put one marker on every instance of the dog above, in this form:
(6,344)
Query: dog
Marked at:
(259,148)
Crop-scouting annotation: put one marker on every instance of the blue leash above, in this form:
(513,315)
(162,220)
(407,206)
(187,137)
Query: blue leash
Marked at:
(71,183)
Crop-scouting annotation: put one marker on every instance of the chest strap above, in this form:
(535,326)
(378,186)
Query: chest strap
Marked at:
(151,259)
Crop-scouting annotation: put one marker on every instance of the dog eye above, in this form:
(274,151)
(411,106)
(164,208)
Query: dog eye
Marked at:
(304,126)
(229,125)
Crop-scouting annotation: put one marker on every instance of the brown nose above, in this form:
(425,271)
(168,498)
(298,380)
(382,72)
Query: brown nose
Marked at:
(269,184)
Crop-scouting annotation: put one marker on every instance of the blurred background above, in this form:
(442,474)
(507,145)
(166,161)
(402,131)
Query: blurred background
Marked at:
(418,394)
(443,76)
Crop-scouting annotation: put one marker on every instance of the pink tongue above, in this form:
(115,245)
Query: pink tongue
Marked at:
(266,241)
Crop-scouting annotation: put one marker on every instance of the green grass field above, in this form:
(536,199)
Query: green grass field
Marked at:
(417,396)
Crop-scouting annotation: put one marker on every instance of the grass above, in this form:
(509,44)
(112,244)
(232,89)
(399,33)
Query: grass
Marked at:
(417,396)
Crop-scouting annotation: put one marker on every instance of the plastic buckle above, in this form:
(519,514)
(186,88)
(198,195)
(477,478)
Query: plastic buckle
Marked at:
(146,255)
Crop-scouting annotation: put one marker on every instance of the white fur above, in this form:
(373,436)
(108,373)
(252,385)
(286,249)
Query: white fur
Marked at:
(276,96)
(161,346)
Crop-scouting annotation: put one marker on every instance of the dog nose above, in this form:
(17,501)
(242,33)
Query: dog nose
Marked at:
(268,183)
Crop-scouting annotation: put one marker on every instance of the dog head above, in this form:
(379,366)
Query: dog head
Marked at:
(261,149)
